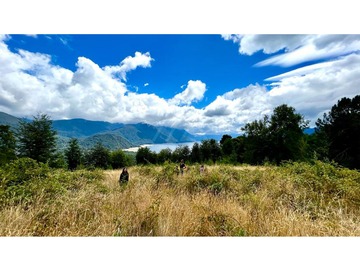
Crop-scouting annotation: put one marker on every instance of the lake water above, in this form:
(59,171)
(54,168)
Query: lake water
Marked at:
(158,147)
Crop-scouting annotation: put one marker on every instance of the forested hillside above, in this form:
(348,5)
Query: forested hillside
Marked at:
(111,135)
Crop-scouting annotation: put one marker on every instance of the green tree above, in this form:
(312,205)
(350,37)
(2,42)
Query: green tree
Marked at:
(224,138)
(287,134)
(164,155)
(238,144)
(181,152)
(339,132)
(73,154)
(145,156)
(226,144)
(7,145)
(37,139)
(277,138)
(118,159)
(195,155)
(98,157)
(257,141)
(232,149)
(210,150)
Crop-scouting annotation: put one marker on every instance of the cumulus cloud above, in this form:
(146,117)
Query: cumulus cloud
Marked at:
(194,92)
(30,83)
(130,63)
(230,111)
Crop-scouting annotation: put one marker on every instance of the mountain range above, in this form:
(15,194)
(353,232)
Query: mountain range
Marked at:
(111,135)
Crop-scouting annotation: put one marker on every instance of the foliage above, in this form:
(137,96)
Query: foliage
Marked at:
(181,152)
(339,132)
(210,150)
(286,134)
(145,156)
(73,154)
(7,144)
(215,182)
(118,159)
(37,139)
(22,170)
(165,155)
(277,138)
(195,155)
(98,157)
(24,181)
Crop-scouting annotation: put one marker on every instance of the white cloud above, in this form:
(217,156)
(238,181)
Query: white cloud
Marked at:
(300,71)
(315,89)
(229,112)
(297,48)
(250,44)
(194,92)
(130,63)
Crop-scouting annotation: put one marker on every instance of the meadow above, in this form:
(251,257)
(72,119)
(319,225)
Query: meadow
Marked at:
(294,199)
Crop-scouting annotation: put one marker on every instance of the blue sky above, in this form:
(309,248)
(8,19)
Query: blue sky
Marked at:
(176,59)
(204,83)
(177,65)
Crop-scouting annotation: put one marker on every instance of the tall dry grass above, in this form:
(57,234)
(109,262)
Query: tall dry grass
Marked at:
(293,200)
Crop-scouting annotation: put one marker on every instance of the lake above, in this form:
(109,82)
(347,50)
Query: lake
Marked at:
(158,147)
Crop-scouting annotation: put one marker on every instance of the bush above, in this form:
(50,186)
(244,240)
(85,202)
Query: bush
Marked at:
(25,180)
(22,170)
(215,182)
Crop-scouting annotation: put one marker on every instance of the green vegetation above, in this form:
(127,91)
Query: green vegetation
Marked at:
(37,139)
(7,145)
(337,134)
(73,154)
(294,199)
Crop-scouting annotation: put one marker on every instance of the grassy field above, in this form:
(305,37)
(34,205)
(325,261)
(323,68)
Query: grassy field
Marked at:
(296,199)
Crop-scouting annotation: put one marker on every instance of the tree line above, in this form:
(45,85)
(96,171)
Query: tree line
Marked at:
(277,138)
(272,139)
(36,139)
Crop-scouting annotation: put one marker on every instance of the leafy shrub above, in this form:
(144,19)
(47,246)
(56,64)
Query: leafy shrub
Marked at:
(25,180)
(167,173)
(323,184)
(215,182)
(22,170)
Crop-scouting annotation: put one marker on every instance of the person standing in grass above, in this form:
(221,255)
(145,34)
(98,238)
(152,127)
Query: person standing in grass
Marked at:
(124,177)
(182,167)
(202,169)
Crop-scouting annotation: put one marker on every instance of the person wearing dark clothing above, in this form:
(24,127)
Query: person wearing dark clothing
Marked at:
(124,177)
(182,167)
(202,169)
